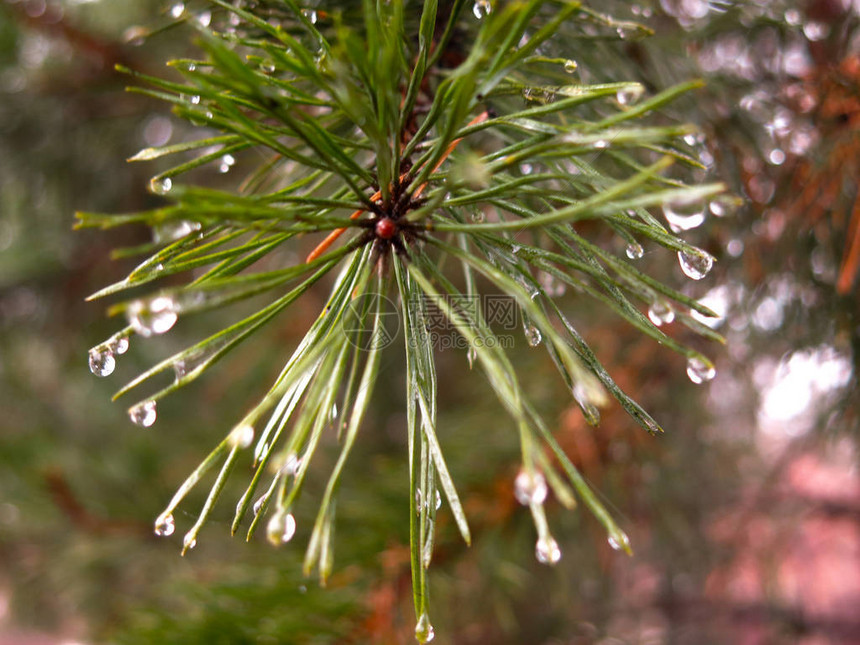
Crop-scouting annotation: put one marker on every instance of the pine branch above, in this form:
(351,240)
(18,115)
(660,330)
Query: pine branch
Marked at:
(369,134)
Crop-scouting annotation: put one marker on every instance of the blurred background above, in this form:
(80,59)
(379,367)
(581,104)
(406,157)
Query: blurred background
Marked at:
(744,517)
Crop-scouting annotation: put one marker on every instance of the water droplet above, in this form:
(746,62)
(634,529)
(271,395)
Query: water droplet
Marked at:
(424,632)
(547,551)
(816,30)
(482,8)
(776,157)
(700,371)
(694,139)
(438,500)
(268,67)
(143,414)
(195,100)
(530,488)
(589,409)
(661,313)
(471,355)
(154,317)
(191,67)
(291,465)
(533,335)
(684,215)
(695,265)
(629,95)
(102,361)
(242,436)
(227,162)
(189,541)
(281,528)
(311,15)
(722,206)
(165,525)
(570,66)
(634,251)
(419,501)
(177,9)
(601,144)
(160,185)
(121,345)
(476,215)
(526,168)
(619,541)
(173,230)
(204,18)
(734,247)
(258,505)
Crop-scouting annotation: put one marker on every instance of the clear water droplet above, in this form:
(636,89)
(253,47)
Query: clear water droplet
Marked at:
(424,632)
(121,345)
(204,18)
(191,67)
(165,525)
(154,317)
(160,185)
(281,528)
(258,505)
(195,100)
(526,168)
(589,409)
(700,371)
(173,230)
(419,501)
(570,66)
(776,157)
(311,15)
(143,414)
(619,541)
(227,162)
(533,335)
(291,465)
(476,214)
(547,551)
(629,95)
(601,144)
(471,355)
(482,8)
(102,361)
(695,265)
(189,541)
(438,500)
(722,206)
(242,436)
(530,488)
(684,215)
(177,9)
(816,30)
(734,247)
(661,313)
(634,251)
(694,139)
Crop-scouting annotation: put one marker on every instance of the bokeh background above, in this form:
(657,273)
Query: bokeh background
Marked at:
(744,516)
